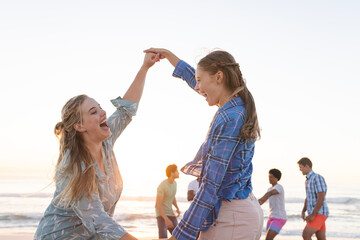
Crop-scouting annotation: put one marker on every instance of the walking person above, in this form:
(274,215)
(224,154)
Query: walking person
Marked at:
(276,196)
(165,198)
(224,207)
(315,202)
(88,181)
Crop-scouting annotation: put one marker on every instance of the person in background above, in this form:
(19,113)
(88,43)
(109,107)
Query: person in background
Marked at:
(88,181)
(224,207)
(277,214)
(193,187)
(165,198)
(315,203)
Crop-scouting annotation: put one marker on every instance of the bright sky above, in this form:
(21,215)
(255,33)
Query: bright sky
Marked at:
(300,59)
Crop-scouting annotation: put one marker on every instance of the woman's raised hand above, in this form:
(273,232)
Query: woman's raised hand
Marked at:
(135,90)
(150,59)
(164,53)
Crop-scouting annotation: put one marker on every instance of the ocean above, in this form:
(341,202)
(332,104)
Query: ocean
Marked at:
(23,202)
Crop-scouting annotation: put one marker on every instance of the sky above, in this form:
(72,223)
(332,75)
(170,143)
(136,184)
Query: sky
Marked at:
(300,60)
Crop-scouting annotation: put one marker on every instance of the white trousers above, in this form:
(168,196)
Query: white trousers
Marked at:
(240,219)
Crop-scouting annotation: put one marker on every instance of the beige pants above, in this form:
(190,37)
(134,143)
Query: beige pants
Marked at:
(241,219)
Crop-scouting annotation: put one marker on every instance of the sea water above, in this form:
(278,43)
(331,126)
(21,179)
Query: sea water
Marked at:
(23,202)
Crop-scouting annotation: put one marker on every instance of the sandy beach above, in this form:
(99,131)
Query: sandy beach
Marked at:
(28,236)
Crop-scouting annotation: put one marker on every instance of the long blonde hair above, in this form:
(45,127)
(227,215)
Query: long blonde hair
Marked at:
(225,62)
(80,170)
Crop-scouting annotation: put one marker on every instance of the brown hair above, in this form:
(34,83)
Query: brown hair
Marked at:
(305,161)
(225,62)
(80,169)
(170,169)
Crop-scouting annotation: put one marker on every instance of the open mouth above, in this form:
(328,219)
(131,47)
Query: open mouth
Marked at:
(104,124)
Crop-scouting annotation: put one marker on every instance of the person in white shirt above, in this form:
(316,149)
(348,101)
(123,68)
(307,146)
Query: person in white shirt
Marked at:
(277,214)
(193,187)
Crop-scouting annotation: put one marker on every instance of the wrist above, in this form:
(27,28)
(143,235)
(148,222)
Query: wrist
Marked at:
(144,67)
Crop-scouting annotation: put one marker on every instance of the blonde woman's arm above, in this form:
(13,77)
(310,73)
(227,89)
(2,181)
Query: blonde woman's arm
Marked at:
(127,106)
(135,90)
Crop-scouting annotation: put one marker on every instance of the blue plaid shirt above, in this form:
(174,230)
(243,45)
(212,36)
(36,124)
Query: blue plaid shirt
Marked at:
(314,184)
(223,162)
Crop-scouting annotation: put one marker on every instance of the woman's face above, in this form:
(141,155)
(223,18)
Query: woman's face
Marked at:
(94,126)
(208,86)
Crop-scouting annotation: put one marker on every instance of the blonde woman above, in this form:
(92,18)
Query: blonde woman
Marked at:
(88,181)
(224,206)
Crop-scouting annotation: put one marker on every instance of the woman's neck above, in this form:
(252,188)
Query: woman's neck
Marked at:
(224,99)
(226,95)
(95,150)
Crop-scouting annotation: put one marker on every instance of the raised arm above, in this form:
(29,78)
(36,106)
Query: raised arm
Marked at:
(182,69)
(135,90)
(164,53)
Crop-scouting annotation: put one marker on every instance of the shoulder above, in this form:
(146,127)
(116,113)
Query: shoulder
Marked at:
(163,183)
(279,187)
(162,187)
(318,178)
(63,164)
(193,182)
(234,113)
(230,119)
(227,125)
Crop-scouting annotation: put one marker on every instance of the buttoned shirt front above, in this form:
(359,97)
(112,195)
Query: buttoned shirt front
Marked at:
(315,184)
(223,162)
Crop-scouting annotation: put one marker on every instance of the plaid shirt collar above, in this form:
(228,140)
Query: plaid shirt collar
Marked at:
(310,174)
(232,103)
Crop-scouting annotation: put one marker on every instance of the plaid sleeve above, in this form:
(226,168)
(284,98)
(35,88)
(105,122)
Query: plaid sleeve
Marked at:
(185,72)
(225,139)
(320,184)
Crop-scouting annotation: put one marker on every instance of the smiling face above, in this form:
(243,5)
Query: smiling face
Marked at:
(212,87)
(93,127)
